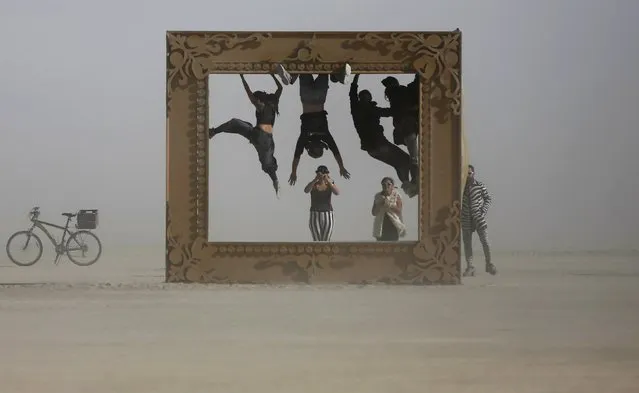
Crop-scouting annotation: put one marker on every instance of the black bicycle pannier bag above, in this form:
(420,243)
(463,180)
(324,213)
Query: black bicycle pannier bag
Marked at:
(87,219)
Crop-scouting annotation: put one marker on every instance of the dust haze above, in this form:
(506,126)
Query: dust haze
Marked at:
(550,115)
(550,98)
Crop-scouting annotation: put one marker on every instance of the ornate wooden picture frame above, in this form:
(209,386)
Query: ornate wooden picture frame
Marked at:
(433,259)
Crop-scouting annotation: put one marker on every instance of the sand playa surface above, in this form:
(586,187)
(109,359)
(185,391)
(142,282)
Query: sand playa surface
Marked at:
(547,324)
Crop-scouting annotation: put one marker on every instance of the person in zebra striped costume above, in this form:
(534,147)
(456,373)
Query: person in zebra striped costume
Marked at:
(475,203)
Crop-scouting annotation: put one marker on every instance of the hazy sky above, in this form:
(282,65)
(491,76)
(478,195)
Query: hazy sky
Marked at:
(550,109)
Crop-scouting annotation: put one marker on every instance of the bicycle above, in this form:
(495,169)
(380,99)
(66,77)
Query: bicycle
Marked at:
(85,221)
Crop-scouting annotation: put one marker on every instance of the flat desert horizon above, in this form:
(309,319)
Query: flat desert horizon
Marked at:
(562,322)
(549,114)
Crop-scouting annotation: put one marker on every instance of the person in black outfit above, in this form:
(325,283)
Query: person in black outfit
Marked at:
(366,118)
(260,136)
(315,136)
(404,106)
(321,220)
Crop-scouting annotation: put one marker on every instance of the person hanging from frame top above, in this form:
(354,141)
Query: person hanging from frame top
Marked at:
(321,221)
(315,135)
(261,135)
(404,105)
(388,224)
(366,118)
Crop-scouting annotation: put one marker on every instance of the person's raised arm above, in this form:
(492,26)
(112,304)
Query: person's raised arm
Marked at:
(413,92)
(352,93)
(299,149)
(311,184)
(278,93)
(414,84)
(249,93)
(338,157)
(332,186)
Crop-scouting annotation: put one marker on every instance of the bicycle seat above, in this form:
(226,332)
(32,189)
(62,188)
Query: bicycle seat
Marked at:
(68,214)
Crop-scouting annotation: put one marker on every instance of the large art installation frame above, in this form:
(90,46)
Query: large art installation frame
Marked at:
(433,259)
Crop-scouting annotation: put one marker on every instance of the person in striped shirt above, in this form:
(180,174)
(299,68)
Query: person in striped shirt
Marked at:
(475,203)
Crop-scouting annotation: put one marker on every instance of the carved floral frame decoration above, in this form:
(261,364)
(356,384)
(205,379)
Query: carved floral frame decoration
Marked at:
(192,56)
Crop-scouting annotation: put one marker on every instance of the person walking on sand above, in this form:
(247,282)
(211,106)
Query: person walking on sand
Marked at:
(475,203)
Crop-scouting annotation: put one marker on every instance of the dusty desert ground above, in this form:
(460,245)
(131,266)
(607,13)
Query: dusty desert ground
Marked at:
(562,323)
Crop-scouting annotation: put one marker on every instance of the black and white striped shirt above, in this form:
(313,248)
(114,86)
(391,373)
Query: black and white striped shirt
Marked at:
(475,203)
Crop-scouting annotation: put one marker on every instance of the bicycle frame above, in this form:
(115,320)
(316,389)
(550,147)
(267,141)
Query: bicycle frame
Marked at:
(42,226)
(62,247)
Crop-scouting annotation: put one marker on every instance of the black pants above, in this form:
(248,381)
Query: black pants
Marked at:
(389,232)
(392,155)
(262,141)
(406,133)
(315,123)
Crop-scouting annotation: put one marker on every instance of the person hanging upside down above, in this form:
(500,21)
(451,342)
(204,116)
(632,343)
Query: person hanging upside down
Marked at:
(404,105)
(261,135)
(315,136)
(366,118)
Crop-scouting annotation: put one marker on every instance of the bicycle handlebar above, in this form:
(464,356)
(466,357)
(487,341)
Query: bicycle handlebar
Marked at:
(34,213)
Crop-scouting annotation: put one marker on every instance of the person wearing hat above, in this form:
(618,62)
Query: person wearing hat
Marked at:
(366,118)
(404,107)
(315,136)
(321,220)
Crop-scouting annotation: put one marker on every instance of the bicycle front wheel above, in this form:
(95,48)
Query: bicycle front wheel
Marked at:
(84,248)
(24,248)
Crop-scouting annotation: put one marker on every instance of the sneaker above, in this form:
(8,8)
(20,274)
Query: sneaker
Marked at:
(342,74)
(490,268)
(211,132)
(410,189)
(470,271)
(283,74)
(347,73)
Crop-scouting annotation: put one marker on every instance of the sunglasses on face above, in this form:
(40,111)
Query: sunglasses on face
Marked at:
(387,184)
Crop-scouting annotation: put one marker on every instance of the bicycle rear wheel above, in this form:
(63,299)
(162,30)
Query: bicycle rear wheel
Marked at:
(25,242)
(82,244)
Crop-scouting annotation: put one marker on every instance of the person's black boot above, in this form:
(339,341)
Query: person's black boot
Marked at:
(492,269)
(211,132)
